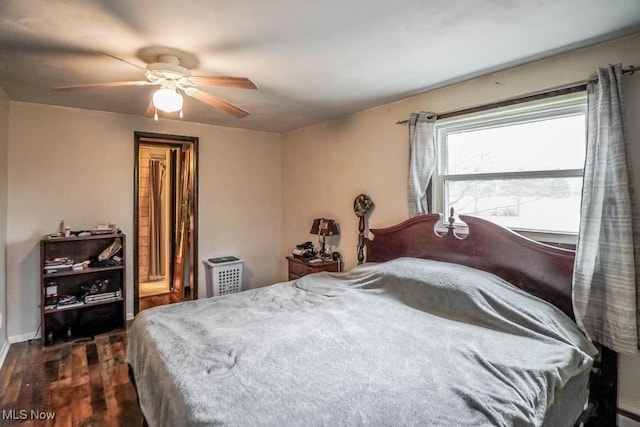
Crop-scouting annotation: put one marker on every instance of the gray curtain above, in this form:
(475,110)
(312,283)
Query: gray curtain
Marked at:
(156,247)
(422,162)
(605,289)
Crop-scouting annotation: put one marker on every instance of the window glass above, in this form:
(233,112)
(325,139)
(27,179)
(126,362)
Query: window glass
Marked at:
(520,167)
(545,204)
(557,143)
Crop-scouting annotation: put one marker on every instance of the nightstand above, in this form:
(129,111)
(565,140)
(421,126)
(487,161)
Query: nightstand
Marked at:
(299,267)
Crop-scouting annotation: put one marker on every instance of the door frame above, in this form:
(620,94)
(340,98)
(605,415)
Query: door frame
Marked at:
(150,138)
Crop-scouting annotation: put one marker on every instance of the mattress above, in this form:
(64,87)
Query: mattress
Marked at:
(405,342)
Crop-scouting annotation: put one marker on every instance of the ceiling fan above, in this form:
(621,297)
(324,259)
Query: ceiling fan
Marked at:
(173,80)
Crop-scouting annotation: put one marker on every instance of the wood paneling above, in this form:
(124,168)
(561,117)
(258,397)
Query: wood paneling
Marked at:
(143,215)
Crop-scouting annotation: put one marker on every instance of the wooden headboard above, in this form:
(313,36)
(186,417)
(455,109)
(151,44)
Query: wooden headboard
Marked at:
(542,270)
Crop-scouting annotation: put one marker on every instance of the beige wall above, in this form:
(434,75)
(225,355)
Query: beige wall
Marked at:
(77,165)
(4,145)
(325,166)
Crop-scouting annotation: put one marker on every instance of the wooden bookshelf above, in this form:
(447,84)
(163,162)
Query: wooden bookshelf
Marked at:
(82,319)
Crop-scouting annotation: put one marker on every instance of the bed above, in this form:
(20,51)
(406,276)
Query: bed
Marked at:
(430,330)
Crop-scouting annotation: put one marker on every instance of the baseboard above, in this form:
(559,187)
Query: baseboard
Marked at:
(3,352)
(24,337)
(32,335)
(629,410)
(623,421)
(627,418)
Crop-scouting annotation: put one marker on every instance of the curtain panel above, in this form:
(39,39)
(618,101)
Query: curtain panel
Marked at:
(605,285)
(422,161)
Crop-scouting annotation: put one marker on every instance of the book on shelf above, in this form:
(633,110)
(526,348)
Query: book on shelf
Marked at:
(102,297)
(58,264)
(81,265)
(70,305)
(69,301)
(100,231)
(58,269)
(58,261)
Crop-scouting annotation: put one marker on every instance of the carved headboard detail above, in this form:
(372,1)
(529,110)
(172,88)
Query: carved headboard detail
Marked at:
(542,270)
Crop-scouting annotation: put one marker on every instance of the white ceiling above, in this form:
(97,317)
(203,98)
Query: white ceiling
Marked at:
(312,60)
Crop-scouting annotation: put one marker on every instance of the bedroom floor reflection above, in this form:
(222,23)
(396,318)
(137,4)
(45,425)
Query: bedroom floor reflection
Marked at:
(161,299)
(158,287)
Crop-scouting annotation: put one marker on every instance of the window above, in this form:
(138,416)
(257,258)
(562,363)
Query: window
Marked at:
(521,167)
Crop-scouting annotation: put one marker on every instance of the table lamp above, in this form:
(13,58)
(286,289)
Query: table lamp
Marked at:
(324,227)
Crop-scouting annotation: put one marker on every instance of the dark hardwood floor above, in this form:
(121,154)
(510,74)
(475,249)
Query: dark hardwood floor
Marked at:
(81,384)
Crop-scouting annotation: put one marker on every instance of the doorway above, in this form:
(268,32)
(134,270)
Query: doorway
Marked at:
(165,219)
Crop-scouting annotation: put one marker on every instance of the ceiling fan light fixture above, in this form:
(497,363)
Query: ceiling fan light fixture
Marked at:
(167,100)
(172,77)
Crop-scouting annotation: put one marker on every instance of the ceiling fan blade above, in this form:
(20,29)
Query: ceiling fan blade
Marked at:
(214,101)
(239,82)
(123,60)
(151,110)
(103,85)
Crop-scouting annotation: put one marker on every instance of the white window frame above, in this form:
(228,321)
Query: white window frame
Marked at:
(556,107)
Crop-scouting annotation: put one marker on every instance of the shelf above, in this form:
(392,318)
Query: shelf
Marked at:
(83,271)
(81,306)
(83,318)
(59,342)
(81,238)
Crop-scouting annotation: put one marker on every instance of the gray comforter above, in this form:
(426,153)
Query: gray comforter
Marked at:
(406,342)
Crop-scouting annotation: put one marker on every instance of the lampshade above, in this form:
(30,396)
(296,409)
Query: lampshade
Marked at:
(325,227)
(167,100)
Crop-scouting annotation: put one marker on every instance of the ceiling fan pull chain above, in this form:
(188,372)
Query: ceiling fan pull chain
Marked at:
(180,113)
(155,115)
